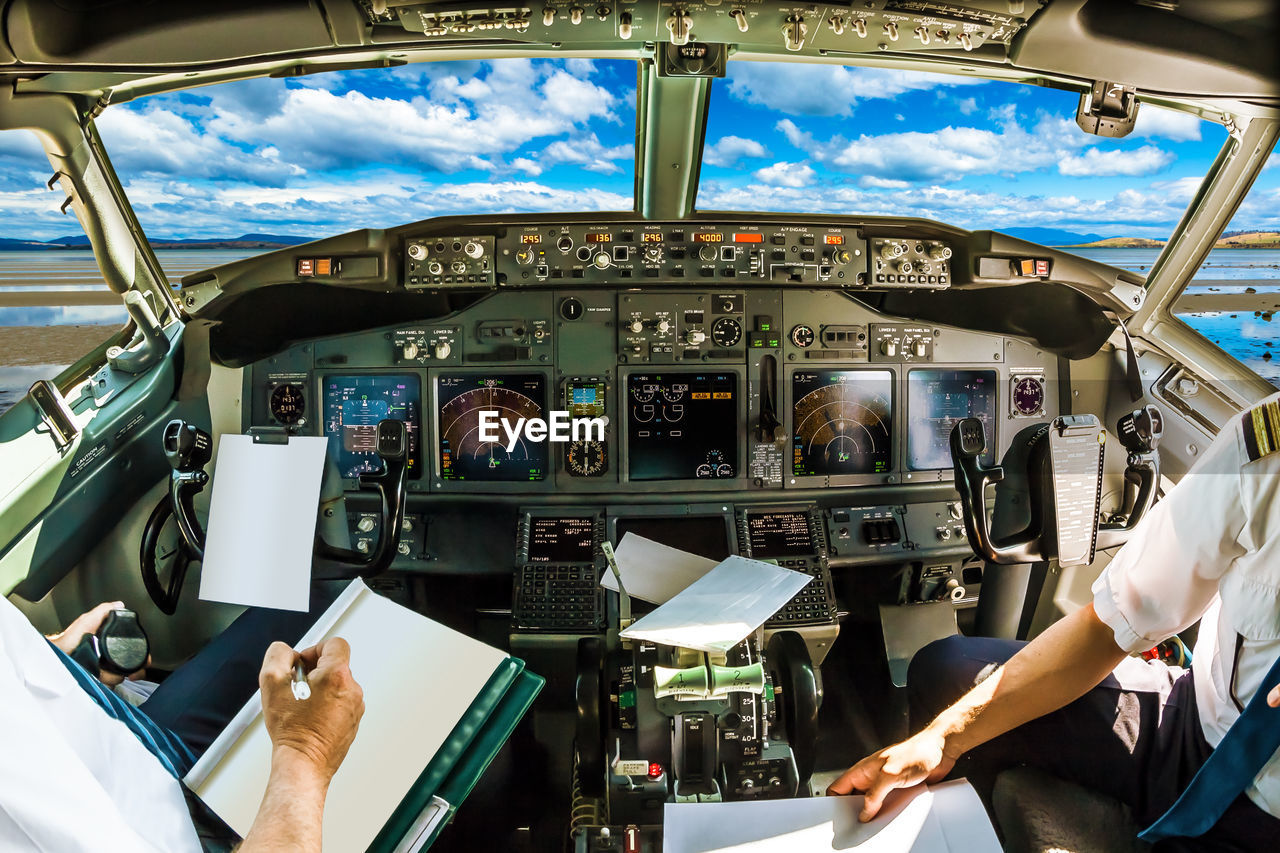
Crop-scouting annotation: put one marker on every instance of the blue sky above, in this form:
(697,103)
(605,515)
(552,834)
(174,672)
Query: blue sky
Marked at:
(331,153)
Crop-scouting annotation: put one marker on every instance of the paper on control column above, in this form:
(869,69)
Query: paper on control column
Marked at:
(652,571)
(721,608)
(262,522)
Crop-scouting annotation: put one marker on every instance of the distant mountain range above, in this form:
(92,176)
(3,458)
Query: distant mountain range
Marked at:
(1255,239)
(244,241)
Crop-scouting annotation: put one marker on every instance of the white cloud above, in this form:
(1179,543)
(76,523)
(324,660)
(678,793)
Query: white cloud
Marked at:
(1149,211)
(967,106)
(587,152)
(826,90)
(948,154)
(728,150)
(1156,122)
(784,174)
(1095,162)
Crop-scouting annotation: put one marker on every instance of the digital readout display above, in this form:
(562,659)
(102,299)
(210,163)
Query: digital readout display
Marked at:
(651,237)
(779,534)
(600,238)
(834,239)
(562,540)
(708,237)
(530,239)
(748,238)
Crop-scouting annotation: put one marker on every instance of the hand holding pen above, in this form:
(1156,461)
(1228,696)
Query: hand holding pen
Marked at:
(319,730)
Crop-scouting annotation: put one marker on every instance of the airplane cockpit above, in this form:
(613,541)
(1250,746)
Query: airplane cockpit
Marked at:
(942,428)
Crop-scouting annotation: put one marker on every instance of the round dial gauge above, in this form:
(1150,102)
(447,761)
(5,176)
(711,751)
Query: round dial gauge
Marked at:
(1028,396)
(586,458)
(644,393)
(726,332)
(802,336)
(288,404)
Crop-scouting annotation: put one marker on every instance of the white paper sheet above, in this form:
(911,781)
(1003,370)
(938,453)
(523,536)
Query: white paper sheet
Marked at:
(418,676)
(652,571)
(948,818)
(262,522)
(722,607)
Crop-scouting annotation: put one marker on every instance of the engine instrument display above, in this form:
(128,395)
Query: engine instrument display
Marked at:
(682,426)
(562,540)
(463,401)
(353,406)
(936,400)
(779,534)
(842,422)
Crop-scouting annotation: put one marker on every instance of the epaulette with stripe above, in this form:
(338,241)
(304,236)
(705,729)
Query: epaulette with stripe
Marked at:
(1261,428)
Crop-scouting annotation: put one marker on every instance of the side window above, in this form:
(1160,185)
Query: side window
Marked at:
(1234,298)
(54,306)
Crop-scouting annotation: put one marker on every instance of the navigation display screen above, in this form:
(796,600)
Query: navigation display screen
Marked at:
(463,399)
(779,534)
(562,540)
(682,426)
(842,422)
(353,406)
(936,399)
(704,535)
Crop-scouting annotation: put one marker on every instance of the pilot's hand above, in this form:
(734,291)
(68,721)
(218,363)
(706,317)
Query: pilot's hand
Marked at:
(89,623)
(318,730)
(1273,698)
(918,759)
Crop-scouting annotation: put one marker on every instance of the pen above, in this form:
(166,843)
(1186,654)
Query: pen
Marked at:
(301,687)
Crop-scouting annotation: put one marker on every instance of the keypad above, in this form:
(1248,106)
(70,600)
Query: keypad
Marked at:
(813,605)
(556,598)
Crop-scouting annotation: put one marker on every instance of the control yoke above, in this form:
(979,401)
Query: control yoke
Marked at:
(333,563)
(1139,431)
(189,448)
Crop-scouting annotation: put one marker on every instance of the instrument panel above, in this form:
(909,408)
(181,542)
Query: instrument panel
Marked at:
(531,255)
(706,356)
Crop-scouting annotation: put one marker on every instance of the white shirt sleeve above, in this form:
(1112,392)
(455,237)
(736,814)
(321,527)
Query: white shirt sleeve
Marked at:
(1166,575)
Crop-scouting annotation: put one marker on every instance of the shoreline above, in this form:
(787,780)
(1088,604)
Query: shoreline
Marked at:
(28,346)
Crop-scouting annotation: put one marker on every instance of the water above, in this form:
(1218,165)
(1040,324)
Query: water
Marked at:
(51,288)
(1249,336)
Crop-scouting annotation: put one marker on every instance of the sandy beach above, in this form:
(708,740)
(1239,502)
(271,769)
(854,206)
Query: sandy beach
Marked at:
(26,345)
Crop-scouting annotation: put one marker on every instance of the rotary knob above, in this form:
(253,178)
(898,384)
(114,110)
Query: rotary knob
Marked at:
(889,347)
(409,350)
(637,326)
(663,327)
(417,251)
(365,524)
(695,337)
(601,260)
(442,349)
(473,249)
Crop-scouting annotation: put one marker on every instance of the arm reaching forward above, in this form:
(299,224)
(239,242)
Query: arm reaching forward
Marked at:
(1056,668)
(309,740)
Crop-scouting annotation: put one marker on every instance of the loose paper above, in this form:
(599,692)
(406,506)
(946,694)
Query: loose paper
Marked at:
(721,608)
(947,818)
(262,522)
(652,571)
(418,676)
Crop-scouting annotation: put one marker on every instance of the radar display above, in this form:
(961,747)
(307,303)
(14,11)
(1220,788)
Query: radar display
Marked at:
(513,396)
(936,399)
(842,422)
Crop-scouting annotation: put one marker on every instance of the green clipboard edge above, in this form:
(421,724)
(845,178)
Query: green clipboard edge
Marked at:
(456,768)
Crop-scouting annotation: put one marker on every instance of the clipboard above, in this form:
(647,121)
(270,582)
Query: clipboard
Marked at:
(435,717)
